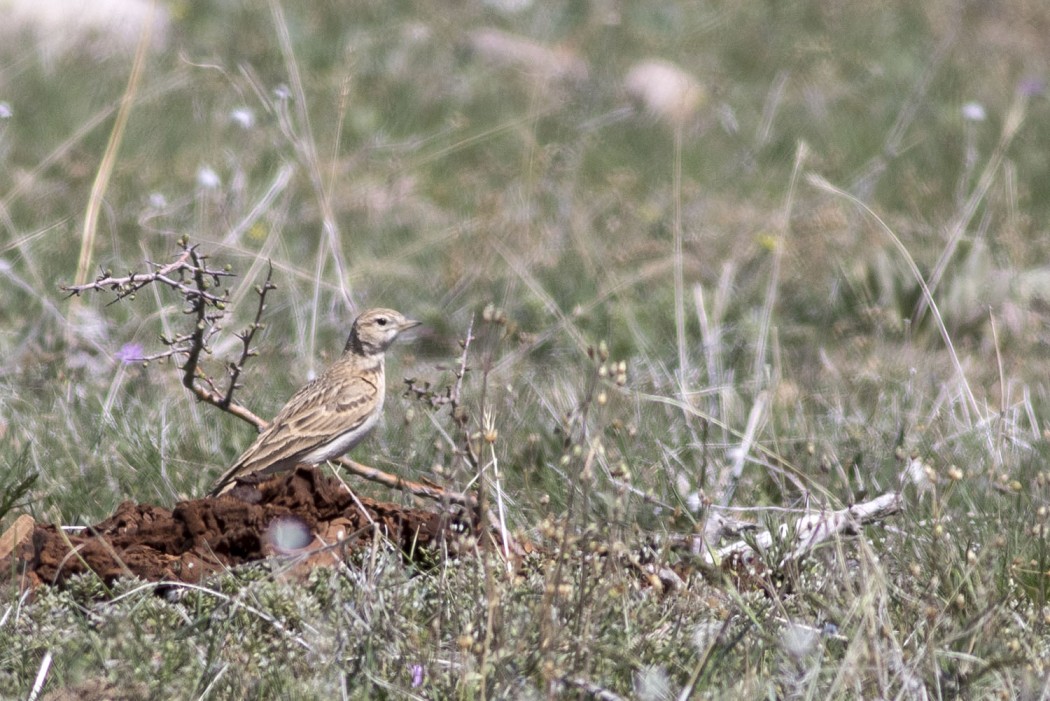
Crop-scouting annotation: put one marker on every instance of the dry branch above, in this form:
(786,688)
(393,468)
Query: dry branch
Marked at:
(805,534)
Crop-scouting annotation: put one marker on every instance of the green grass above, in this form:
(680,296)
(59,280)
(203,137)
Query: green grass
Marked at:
(454,184)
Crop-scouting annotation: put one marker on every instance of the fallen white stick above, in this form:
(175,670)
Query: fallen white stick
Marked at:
(41,676)
(812,529)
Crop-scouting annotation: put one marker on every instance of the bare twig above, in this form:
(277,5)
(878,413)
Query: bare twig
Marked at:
(127,286)
(247,336)
(199,308)
(418,489)
(451,397)
(190,276)
(457,388)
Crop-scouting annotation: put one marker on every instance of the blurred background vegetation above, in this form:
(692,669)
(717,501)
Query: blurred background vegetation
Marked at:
(644,174)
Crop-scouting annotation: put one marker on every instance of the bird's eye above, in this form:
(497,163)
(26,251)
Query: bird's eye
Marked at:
(381,321)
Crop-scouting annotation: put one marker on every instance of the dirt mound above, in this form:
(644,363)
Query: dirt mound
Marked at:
(299,513)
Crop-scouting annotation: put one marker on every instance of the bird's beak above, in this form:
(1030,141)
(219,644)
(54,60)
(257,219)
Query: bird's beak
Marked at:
(409,324)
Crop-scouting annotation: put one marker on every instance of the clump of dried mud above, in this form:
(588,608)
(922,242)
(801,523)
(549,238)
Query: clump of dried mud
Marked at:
(299,513)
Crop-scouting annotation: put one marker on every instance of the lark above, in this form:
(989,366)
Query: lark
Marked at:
(331,414)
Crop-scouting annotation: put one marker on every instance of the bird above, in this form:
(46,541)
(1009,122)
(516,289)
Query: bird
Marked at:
(330,415)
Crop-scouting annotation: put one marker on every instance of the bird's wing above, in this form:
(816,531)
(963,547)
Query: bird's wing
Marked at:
(318,413)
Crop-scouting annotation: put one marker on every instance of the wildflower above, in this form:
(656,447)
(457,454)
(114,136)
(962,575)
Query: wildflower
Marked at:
(130,353)
(417,675)
(208,179)
(974,112)
(666,91)
(1029,87)
(243,117)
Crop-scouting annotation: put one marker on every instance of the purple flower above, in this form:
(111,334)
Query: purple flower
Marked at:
(1032,86)
(417,675)
(130,353)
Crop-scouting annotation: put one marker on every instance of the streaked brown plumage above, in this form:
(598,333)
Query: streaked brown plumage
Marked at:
(330,415)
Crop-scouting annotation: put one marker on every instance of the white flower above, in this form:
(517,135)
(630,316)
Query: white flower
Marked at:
(665,90)
(243,117)
(974,112)
(208,179)
(5,110)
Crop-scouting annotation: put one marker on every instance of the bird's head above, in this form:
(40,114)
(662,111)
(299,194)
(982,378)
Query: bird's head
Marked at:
(374,330)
